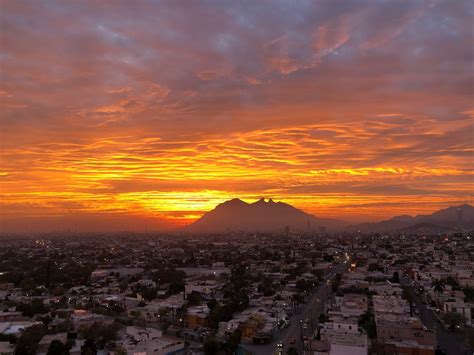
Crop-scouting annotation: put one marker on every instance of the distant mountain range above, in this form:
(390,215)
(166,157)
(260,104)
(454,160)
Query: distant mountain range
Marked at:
(261,216)
(269,216)
(443,221)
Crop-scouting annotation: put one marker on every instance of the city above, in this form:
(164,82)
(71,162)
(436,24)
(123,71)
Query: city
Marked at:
(236,177)
(261,293)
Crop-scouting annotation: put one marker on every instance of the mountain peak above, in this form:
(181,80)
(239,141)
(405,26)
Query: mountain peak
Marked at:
(261,216)
(233,202)
(260,202)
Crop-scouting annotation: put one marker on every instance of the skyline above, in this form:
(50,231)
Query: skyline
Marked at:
(155,112)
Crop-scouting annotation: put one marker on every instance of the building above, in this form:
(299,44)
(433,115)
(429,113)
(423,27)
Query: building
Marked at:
(459,306)
(148,341)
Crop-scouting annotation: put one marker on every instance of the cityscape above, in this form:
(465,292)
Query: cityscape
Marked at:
(238,292)
(236,177)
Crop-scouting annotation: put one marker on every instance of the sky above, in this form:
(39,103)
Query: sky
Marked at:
(121,115)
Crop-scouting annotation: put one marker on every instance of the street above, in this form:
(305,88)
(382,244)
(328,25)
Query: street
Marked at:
(449,341)
(297,330)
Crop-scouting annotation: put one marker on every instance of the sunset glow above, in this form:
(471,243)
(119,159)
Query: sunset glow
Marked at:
(146,116)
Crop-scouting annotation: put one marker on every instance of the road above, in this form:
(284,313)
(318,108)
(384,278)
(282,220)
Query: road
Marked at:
(449,341)
(311,311)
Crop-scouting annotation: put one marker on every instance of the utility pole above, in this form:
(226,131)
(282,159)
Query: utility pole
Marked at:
(301,335)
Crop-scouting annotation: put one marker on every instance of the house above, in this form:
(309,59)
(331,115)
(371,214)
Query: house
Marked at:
(148,341)
(84,318)
(343,336)
(459,306)
(197,317)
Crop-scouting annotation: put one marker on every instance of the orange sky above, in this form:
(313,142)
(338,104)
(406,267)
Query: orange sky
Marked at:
(130,116)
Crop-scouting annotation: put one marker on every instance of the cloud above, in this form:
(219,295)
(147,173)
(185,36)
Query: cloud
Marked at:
(146,108)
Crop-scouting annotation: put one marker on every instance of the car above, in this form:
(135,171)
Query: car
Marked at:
(417,311)
(280,345)
(292,341)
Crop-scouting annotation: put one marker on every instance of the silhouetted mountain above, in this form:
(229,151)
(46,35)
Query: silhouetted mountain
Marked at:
(260,216)
(446,220)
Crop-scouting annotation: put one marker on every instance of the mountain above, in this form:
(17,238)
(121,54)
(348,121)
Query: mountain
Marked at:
(443,221)
(260,216)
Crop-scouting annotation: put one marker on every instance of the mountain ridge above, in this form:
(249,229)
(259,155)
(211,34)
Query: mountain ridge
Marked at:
(449,219)
(260,216)
(270,216)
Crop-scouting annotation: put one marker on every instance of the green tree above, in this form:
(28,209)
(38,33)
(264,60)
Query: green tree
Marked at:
(409,297)
(367,321)
(211,346)
(194,298)
(374,267)
(234,340)
(395,278)
(89,347)
(57,348)
(469,335)
(212,304)
(323,318)
(453,320)
(28,340)
(469,294)
(99,335)
(438,286)
(59,291)
(302,285)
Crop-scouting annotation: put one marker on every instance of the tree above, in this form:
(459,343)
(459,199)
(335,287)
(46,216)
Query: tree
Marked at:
(453,320)
(374,267)
(35,307)
(194,298)
(302,285)
(27,284)
(468,293)
(395,278)
(328,258)
(28,341)
(89,347)
(438,286)
(99,335)
(451,281)
(211,346)
(409,297)
(234,340)
(469,335)
(337,282)
(57,348)
(165,324)
(266,287)
(367,321)
(59,291)
(221,313)
(212,304)
(323,318)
